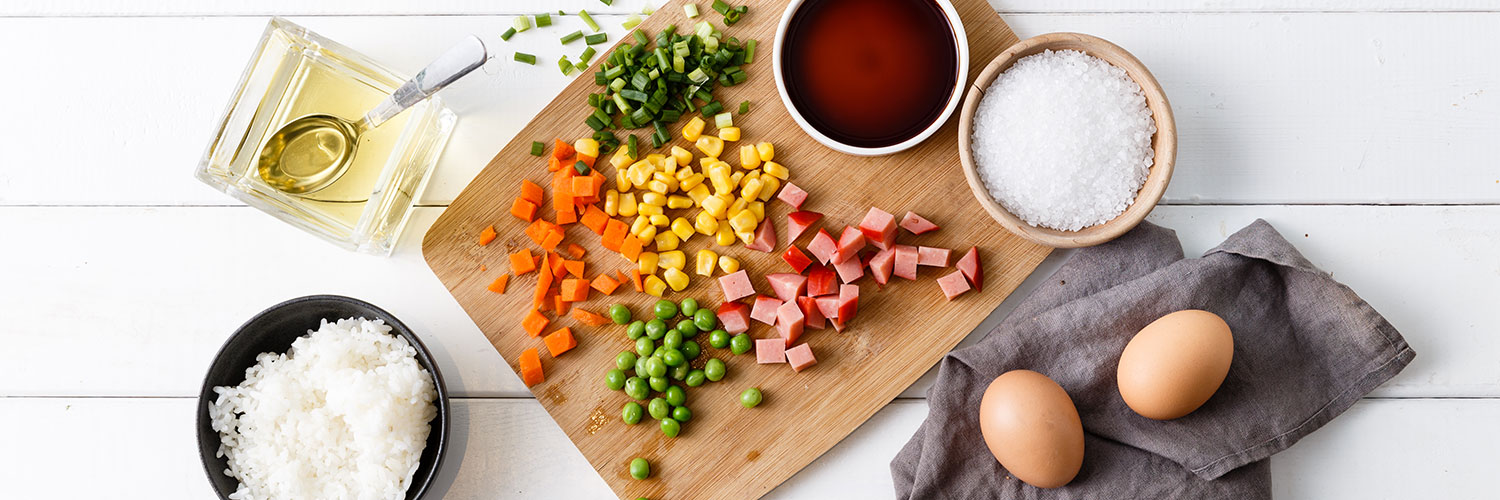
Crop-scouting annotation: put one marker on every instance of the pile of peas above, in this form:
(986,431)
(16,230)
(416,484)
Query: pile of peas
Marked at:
(663,354)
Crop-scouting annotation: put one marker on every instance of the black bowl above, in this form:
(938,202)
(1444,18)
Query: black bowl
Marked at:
(273,330)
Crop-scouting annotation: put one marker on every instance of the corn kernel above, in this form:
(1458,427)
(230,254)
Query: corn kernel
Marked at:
(715,206)
(612,202)
(690,182)
(735,207)
(654,159)
(654,285)
(666,240)
(587,146)
(640,223)
(777,170)
(647,262)
(736,179)
(649,209)
(766,150)
(683,156)
(666,164)
(743,222)
(622,179)
(706,162)
(693,129)
(639,173)
(647,234)
(676,279)
(672,260)
(658,186)
(661,220)
(753,174)
(621,158)
(663,178)
(710,145)
(699,193)
(679,201)
(657,199)
(705,262)
(768,187)
(682,228)
(749,159)
(751,189)
(627,205)
(758,208)
(725,236)
(722,181)
(728,264)
(729,134)
(683,172)
(746,238)
(705,223)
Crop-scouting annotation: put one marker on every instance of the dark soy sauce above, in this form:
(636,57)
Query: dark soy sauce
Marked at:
(870,73)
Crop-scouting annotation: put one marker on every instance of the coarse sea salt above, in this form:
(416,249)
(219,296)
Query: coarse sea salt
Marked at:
(1062,140)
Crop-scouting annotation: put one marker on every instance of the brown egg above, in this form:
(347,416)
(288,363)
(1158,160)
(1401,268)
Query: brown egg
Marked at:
(1032,427)
(1175,364)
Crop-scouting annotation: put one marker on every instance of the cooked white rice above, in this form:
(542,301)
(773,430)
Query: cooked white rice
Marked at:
(343,414)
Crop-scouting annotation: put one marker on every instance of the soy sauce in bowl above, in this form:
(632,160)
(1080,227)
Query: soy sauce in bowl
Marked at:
(872,73)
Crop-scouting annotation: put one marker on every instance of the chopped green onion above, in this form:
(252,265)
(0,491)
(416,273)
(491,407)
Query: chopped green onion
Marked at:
(588,53)
(678,63)
(596,38)
(507,34)
(750,52)
(525,58)
(711,109)
(721,7)
(581,66)
(522,23)
(617,84)
(631,22)
(711,45)
(632,148)
(703,29)
(691,9)
(607,2)
(543,20)
(732,17)
(723,120)
(744,107)
(641,38)
(537,148)
(581,167)
(698,75)
(648,9)
(564,65)
(589,20)
(568,38)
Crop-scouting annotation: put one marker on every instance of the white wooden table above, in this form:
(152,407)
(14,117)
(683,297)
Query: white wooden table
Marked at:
(1368,132)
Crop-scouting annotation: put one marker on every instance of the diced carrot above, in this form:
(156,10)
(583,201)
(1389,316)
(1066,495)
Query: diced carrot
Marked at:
(631,247)
(575,251)
(522,209)
(483,268)
(636,279)
(521,263)
(553,164)
(538,230)
(560,341)
(559,266)
(604,284)
(498,286)
(583,190)
(543,281)
(566,215)
(589,318)
(488,234)
(534,322)
(561,150)
(594,219)
(561,305)
(574,267)
(575,290)
(614,234)
(586,159)
(552,239)
(531,192)
(624,277)
(531,368)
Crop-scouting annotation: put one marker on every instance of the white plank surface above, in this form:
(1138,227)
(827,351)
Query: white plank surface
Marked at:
(509,448)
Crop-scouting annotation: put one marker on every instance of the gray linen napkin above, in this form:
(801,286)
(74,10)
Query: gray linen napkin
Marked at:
(1305,349)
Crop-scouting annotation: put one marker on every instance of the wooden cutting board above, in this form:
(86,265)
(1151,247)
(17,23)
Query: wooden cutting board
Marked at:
(727,451)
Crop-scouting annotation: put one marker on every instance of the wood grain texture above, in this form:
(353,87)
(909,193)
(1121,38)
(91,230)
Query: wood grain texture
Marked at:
(727,451)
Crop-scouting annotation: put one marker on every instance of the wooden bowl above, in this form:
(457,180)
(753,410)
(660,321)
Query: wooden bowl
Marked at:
(1163,144)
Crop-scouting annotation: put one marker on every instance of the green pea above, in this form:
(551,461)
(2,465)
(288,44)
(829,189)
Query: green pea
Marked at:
(665,309)
(718,338)
(688,328)
(656,328)
(672,357)
(636,388)
(750,398)
(739,344)
(636,329)
(640,468)
(675,396)
(615,379)
(705,320)
(658,408)
(679,373)
(670,427)
(660,384)
(640,367)
(689,306)
(695,378)
(690,350)
(619,313)
(631,414)
(624,360)
(656,367)
(644,347)
(673,339)
(714,370)
(682,414)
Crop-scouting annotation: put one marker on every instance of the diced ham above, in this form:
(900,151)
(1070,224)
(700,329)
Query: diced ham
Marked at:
(882,264)
(969,265)
(820,281)
(823,246)
(736,286)
(765,237)
(828,306)
(765,309)
(770,351)
(850,270)
(789,321)
(879,227)
(787,285)
(792,195)
(735,317)
(848,302)
(795,258)
(850,243)
(797,222)
(906,261)
(930,256)
(812,317)
(800,357)
(953,284)
(916,224)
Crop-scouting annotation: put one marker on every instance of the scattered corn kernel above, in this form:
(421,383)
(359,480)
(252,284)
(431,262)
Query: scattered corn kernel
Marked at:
(749,159)
(622,178)
(640,222)
(705,262)
(587,146)
(728,264)
(660,220)
(736,207)
(699,192)
(690,182)
(766,150)
(710,145)
(724,237)
(647,262)
(676,279)
(706,224)
(647,234)
(682,228)
(621,158)
(612,202)
(663,178)
(706,161)
(667,240)
(627,204)
(729,134)
(751,189)
(746,238)
(743,222)
(736,179)
(679,201)
(654,285)
(672,260)
(777,170)
(683,156)
(758,208)
(648,209)
(715,206)
(658,186)
(683,173)
(657,199)
(723,182)
(768,187)
(693,129)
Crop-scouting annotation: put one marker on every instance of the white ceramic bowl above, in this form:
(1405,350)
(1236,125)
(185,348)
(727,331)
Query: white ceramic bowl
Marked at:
(961,38)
